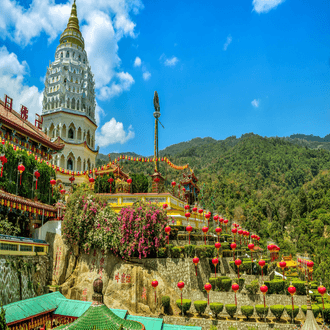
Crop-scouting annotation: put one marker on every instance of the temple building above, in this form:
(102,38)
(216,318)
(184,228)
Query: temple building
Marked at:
(69,102)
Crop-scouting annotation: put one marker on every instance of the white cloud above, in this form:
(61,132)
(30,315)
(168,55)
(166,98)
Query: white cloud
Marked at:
(12,74)
(113,132)
(146,75)
(137,62)
(105,23)
(228,42)
(171,61)
(255,103)
(264,6)
(98,113)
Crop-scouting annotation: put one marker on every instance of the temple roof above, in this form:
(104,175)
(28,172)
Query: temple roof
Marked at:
(13,120)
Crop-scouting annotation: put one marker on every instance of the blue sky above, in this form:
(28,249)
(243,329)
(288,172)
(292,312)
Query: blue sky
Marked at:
(221,68)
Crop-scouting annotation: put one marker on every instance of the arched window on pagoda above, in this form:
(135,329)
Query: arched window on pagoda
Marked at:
(70,164)
(61,54)
(67,54)
(71,133)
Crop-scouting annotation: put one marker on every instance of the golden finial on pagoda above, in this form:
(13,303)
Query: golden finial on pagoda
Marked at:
(73,20)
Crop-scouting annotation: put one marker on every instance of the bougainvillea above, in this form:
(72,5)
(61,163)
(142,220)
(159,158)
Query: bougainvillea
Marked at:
(90,222)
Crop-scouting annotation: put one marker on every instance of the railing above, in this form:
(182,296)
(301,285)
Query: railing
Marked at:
(22,246)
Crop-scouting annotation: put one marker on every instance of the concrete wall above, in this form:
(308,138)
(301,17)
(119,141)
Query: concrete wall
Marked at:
(49,226)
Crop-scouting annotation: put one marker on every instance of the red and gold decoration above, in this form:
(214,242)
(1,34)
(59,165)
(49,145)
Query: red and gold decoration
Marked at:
(282,264)
(292,290)
(21,169)
(233,246)
(218,231)
(53,183)
(188,228)
(37,176)
(322,290)
(215,262)
(167,231)
(235,288)
(264,289)
(208,288)
(129,181)
(262,264)
(205,230)
(238,262)
(181,286)
(196,261)
(217,245)
(110,180)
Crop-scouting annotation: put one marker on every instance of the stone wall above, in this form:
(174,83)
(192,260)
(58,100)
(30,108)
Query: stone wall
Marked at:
(206,323)
(127,284)
(22,277)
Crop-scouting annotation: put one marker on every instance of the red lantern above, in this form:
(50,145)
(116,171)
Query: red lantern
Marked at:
(181,286)
(234,231)
(200,211)
(264,290)
(322,290)
(37,175)
(21,169)
(238,262)
(91,180)
(62,191)
(196,261)
(218,232)
(205,230)
(240,233)
(154,284)
(215,261)
(310,265)
(186,207)
(221,220)
(129,181)
(216,218)
(165,206)
(233,246)
(194,209)
(217,245)
(262,263)
(71,179)
(189,228)
(167,231)
(282,265)
(110,180)
(235,288)
(53,183)
(292,291)
(208,216)
(208,288)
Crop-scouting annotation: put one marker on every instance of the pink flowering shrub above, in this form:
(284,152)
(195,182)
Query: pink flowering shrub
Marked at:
(136,231)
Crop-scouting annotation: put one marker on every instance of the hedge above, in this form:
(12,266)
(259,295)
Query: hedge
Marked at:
(262,311)
(253,288)
(190,250)
(216,308)
(162,253)
(315,309)
(277,311)
(231,309)
(275,286)
(300,286)
(292,312)
(200,306)
(166,304)
(247,311)
(226,284)
(326,313)
(186,304)
(176,252)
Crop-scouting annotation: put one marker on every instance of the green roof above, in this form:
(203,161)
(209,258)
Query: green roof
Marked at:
(74,308)
(179,327)
(150,323)
(119,312)
(26,308)
(100,317)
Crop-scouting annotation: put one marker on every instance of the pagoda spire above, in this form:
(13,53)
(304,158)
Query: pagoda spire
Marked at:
(73,20)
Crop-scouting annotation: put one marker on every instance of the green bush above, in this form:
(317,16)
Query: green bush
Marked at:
(292,312)
(300,286)
(200,251)
(277,311)
(200,306)
(227,253)
(226,284)
(240,281)
(216,308)
(262,311)
(213,281)
(210,251)
(315,309)
(253,288)
(247,311)
(231,309)
(177,251)
(190,250)
(166,304)
(162,253)
(326,313)
(275,286)
(186,304)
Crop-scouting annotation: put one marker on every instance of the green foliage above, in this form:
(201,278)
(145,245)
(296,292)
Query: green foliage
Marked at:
(315,309)
(253,288)
(247,311)
(292,312)
(186,304)
(262,311)
(275,286)
(226,284)
(190,250)
(162,252)
(326,313)
(3,323)
(166,304)
(216,308)
(200,306)
(231,309)
(177,251)
(300,286)
(277,311)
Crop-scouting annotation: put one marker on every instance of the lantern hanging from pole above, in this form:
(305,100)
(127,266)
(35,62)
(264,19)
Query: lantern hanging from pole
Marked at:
(154,284)
(322,290)
(173,183)
(62,191)
(217,245)
(208,288)
(167,231)
(264,289)
(21,169)
(216,218)
(129,181)
(110,180)
(165,206)
(240,233)
(310,265)
(234,231)
(262,263)
(282,264)
(72,178)
(235,288)
(188,228)
(205,230)
(208,216)
(181,286)
(238,262)
(53,183)
(226,223)
(37,175)
(251,247)
(292,291)
(3,161)
(215,262)
(196,261)
(233,246)
(218,231)
(156,180)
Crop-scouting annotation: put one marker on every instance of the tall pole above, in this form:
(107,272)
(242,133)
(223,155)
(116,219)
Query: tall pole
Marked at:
(156,115)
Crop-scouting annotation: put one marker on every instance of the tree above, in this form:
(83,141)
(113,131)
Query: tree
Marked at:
(3,324)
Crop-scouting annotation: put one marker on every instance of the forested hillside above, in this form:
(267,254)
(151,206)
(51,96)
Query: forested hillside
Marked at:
(271,186)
